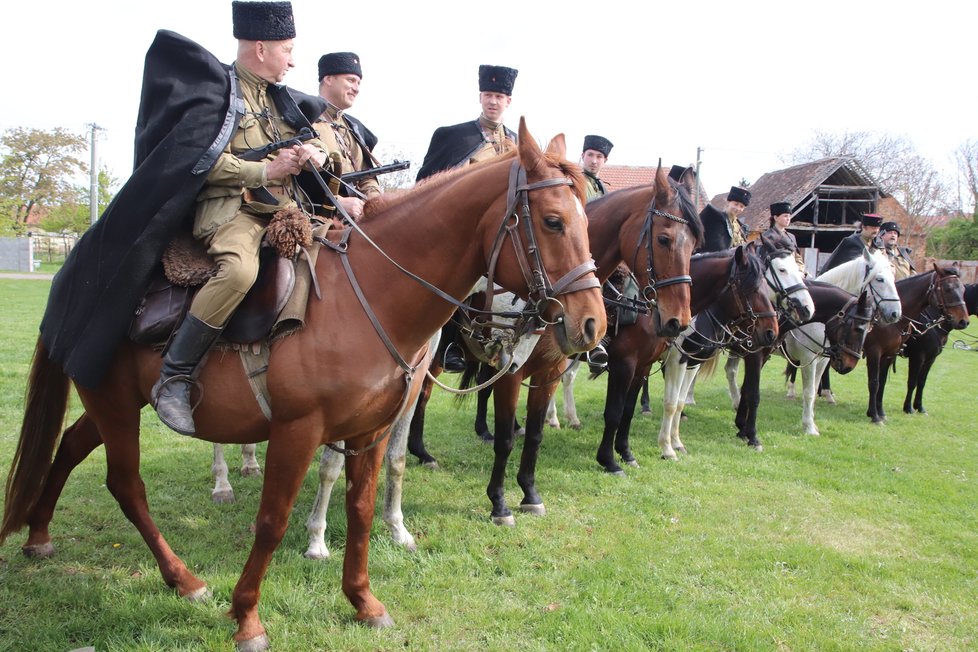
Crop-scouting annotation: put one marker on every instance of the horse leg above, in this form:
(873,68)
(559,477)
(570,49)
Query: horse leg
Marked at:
(790,374)
(222,492)
(673,376)
(873,381)
(330,465)
(915,362)
(482,408)
(688,380)
(286,460)
(809,387)
(625,424)
(886,362)
(415,443)
(620,373)
(396,457)
(925,366)
(536,402)
(551,418)
(506,394)
(730,369)
(570,405)
(646,406)
(361,474)
(116,417)
(825,387)
(77,443)
(750,399)
(249,460)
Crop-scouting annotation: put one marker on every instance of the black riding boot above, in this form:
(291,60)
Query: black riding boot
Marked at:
(597,359)
(171,393)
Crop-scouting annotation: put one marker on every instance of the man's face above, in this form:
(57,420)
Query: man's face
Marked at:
(592,160)
(870,232)
(890,238)
(735,208)
(340,90)
(782,220)
(276,60)
(494,105)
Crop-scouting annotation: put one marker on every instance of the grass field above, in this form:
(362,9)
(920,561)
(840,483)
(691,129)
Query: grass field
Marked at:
(862,539)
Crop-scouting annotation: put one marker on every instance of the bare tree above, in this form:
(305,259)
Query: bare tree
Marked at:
(401,179)
(893,163)
(966,156)
(36,170)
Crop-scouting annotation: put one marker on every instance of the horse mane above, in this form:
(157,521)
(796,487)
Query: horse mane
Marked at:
(689,210)
(752,272)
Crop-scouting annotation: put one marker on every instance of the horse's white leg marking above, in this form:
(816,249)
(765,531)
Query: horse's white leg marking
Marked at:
(222,491)
(249,461)
(396,461)
(330,465)
(672,373)
(570,405)
(731,368)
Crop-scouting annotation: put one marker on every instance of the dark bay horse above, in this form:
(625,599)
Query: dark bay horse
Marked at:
(922,350)
(345,376)
(654,229)
(729,296)
(928,299)
(846,319)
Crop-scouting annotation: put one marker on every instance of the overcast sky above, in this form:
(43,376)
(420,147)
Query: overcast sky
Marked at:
(746,81)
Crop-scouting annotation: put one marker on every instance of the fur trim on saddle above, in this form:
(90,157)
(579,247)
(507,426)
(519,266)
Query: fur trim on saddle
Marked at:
(186,262)
(289,229)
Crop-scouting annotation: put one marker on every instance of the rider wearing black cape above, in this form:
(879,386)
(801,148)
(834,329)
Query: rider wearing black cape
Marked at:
(188,111)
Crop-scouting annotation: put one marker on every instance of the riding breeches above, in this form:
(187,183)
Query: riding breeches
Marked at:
(234,247)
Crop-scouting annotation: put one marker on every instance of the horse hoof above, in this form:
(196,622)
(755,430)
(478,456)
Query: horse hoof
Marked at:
(248,471)
(379,622)
(682,449)
(534,510)
(757,447)
(432,465)
(575,426)
(39,551)
(504,521)
(486,437)
(225,497)
(203,594)
(316,555)
(646,413)
(632,463)
(671,457)
(257,644)
(554,424)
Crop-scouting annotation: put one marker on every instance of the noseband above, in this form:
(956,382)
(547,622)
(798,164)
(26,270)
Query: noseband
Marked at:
(650,291)
(782,292)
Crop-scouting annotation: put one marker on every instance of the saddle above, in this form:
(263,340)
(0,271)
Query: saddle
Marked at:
(621,294)
(186,266)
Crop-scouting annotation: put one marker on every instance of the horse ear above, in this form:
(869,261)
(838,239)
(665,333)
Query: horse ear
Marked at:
(530,152)
(661,182)
(740,255)
(558,146)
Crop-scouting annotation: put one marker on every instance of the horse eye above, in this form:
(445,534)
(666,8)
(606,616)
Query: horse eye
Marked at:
(664,240)
(554,223)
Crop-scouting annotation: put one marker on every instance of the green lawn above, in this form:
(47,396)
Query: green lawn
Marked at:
(862,539)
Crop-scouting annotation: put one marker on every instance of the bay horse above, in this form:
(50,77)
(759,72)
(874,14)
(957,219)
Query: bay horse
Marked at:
(928,299)
(655,229)
(346,376)
(922,350)
(809,346)
(729,293)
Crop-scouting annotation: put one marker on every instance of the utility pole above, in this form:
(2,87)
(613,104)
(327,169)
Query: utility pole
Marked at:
(699,150)
(93,173)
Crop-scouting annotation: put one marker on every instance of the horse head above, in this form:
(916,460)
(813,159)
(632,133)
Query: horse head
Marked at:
(670,233)
(785,281)
(946,293)
(881,283)
(846,332)
(744,303)
(549,260)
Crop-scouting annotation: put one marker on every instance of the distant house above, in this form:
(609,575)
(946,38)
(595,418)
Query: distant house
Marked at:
(618,177)
(828,197)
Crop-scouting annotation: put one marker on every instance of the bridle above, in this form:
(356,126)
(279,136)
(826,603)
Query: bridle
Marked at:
(783,293)
(841,321)
(937,300)
(650,291)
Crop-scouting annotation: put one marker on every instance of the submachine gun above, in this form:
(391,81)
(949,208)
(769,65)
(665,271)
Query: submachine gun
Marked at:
(261,193)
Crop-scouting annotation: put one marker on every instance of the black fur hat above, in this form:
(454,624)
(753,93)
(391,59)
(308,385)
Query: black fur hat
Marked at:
(598,144)
(676,172)
(339,63)
(262,21)
(739,194)
(872,219)
(780,208)
(497,79)
(890,226)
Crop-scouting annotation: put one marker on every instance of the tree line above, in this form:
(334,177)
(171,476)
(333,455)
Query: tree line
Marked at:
(39,173)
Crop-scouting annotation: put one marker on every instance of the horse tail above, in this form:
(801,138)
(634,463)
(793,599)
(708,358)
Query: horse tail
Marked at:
(44,410)
(468,379)
(709,366)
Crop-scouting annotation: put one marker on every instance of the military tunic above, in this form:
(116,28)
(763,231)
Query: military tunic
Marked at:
(347,153)
(899,258)
(465,143)
(775,234)
(228,217)
(595,187)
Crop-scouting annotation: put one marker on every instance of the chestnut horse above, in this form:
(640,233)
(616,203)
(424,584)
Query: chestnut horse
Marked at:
(942,292)
(729,298)
(346,375)
(654,229)
(922,350)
